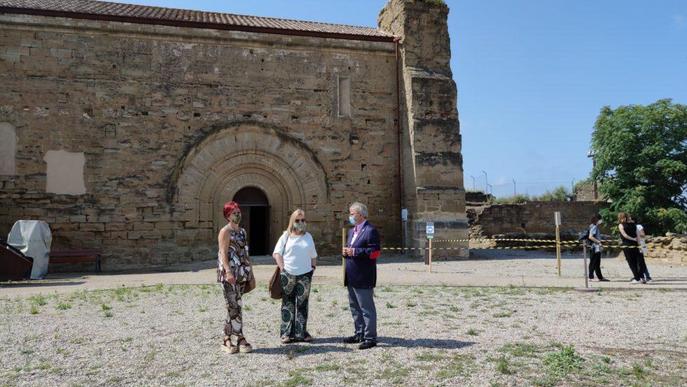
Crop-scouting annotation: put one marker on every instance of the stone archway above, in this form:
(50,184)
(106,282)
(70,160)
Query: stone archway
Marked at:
(248,155)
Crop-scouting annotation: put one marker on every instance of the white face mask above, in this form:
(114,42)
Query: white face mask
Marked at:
(300,227)
(599,222)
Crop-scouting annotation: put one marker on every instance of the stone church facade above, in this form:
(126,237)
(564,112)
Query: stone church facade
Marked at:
(127,127)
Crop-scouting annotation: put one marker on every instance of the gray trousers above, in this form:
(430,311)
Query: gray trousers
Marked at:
(362,305)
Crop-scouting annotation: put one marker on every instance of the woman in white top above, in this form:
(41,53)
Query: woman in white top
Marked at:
(297,258)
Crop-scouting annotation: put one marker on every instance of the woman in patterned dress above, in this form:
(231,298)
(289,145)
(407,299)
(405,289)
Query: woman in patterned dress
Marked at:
(297,258)
(234,271)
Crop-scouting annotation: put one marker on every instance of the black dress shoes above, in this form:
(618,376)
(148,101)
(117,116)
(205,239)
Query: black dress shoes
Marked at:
(367,344)
(352,339)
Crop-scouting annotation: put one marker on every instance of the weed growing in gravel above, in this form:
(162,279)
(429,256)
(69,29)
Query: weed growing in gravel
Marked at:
(506,313)
(503,366)
(34,309)
(638,371)
(472,332)
(560,364)
(327,367)
(520,349)
(459,365)
(297,378)
(108,313)
(411,304)
(64,305)
(395,374)
(38,299)
(429,356)
(390,305)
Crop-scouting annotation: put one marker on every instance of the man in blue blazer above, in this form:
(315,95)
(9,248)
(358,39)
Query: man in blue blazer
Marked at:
(361,253)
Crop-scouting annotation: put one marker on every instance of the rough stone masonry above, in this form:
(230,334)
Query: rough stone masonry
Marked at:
(127,127)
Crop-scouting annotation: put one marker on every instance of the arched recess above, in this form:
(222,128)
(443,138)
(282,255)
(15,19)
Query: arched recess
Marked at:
(247,155)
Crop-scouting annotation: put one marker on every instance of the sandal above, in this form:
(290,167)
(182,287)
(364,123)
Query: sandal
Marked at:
(308,338)
(244,346)
(231,348)
(286,340)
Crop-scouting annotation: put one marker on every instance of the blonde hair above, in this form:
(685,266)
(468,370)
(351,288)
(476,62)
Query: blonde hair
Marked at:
(623,217)
(292,219)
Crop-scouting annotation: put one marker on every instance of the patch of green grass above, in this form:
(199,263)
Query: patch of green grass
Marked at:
(638,371)
(472,332)
(395,374)
(38,299)
(327,367)
(505,313)
(561,363)
(459,365)
(411,304)
(297,378)
(429,356)
(150,356)
(520,349)
(390,305)
(105,307)
(503,366)
(454,309)
(34,309)
(108,313)
(64,305)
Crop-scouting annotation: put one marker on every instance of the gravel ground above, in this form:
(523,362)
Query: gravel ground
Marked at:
(430,335)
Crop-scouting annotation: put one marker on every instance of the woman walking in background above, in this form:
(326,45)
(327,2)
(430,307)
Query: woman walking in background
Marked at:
(628,235)
(234,272)
(297,258)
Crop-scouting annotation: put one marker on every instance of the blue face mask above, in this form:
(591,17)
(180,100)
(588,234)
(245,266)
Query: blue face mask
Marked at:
(351,220)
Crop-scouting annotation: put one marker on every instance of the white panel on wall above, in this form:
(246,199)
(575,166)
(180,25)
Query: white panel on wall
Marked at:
(65,172)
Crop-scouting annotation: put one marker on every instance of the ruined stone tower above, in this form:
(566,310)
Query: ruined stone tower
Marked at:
(431,160)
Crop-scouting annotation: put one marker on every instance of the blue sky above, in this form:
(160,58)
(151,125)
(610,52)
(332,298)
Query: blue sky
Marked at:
(532,75)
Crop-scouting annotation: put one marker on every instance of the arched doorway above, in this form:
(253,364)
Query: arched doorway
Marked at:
(255,209)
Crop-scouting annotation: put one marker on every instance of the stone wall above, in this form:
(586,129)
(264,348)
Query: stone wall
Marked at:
(173,121)
(538,217)
(669,249)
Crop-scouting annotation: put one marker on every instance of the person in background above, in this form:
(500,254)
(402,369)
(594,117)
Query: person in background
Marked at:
(641,235)
(628,236)
(595,257)
(361,253)
(297,258)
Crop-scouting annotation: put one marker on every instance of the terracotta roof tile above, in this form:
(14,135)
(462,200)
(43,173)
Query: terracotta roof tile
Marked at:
(101,10)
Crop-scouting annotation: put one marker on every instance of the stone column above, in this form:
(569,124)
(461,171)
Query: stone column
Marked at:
(432,163)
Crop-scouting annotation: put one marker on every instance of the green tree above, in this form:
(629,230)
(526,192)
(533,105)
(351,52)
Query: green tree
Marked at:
(559,194)
(641,163)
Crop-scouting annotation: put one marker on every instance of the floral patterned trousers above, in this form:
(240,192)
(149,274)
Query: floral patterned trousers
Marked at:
(233,325)
(294,304)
